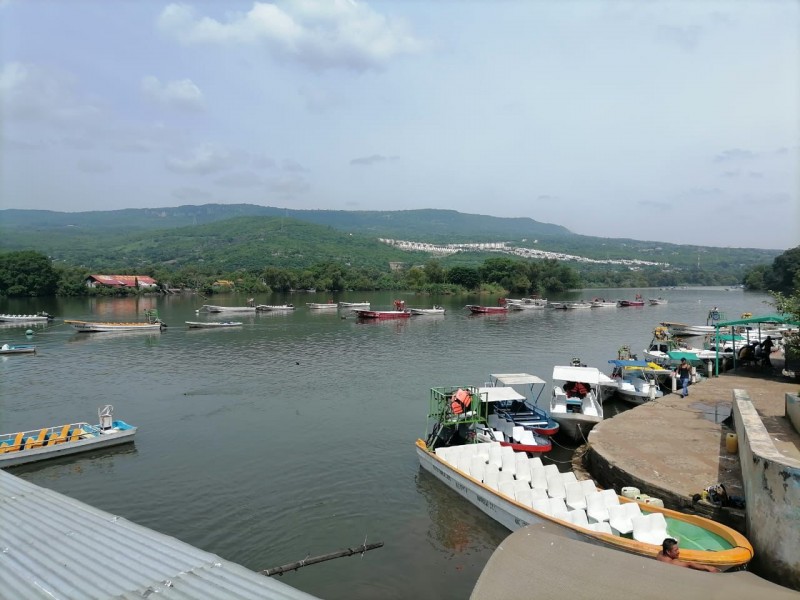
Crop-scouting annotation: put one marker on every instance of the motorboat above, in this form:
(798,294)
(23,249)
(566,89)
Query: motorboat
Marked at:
(576,403)
(435,310)
(216,308)
(638,381)
(686,330)
(17,349)
(40,317)
(151,323)
(399,312)
(212,324)
(274,307)
(526,303)
(322,305)
(525,412)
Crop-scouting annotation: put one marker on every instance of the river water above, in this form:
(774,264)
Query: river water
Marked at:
(293,436)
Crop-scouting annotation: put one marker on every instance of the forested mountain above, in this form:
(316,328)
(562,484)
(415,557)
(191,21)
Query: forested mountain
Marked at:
(244,236)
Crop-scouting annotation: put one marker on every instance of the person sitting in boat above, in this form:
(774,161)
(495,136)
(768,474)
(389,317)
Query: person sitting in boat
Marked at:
(575,389)
(670,553)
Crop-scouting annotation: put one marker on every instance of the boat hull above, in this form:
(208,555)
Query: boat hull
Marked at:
(101,440)
(427,311)
(19,350)
(210,325)
(216,309)
(383,314)
(274,307)
(575,426)
(25,318)
(89,327)
(486,310)
(514,516)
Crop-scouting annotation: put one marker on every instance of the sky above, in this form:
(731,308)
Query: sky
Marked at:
(673,121)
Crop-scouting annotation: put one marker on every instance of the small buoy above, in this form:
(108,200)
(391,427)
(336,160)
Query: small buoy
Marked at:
(29,332)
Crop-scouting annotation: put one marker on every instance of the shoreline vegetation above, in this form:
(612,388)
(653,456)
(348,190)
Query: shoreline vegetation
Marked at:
(30,273)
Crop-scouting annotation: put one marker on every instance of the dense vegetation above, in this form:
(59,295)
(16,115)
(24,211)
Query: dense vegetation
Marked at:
(782,276)
(268,248)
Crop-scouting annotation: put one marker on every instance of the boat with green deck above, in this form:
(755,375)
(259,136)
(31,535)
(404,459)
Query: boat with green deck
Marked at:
(517,490)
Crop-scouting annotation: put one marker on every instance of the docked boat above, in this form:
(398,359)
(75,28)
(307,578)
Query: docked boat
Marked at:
(665,350)
(498,428)
(686,330)
(602,303)
(577,403)
(577,305)
(17,349)
(215,308)
(152,323)
(657,301)
(639,381)
(479,309)
(274,307)
(526,412)
(526,303)
(354,305)
(61,440)
(637,301)
(516,490)
(399,312)
(322,305)
(40,317)
(436,310)
(212,324)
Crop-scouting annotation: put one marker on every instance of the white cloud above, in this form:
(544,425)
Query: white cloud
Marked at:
(320,35)
(202,160)
(183,94)
(244,179)
(372,159)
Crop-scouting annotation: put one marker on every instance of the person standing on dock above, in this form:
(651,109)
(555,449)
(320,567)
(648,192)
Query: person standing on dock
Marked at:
(766,350)
(684,374)
(670,553)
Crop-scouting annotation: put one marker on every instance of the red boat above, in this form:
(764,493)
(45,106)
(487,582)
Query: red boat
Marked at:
(399,312)
(638,302)
(478,309)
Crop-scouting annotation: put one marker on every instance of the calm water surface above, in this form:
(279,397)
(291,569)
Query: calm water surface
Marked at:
(293,436)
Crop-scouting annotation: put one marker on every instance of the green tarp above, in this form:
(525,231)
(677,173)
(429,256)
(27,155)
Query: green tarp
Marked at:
(775,319)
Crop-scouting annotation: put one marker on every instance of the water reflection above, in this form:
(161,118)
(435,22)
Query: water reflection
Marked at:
(103,460)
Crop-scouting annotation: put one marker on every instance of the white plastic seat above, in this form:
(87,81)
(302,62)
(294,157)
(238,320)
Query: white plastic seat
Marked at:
(601,527)
(650,528)
(524,496)
(610,498)
(516,433)
(477,468)
(509,463)
(558,403)
(620,517)
(492,476)
(596,509)
(550,470)
(555,488)
(506,476)
(537,493)
(527,438)
(588,486)
(498,435)
(578,517)
(493,421)
(568,477)
(521,485)
(494,456)
(521,469)
(574,496)
(542,505)
(558,507)
(535,462)
(464,461)
(539,479)
(506,488)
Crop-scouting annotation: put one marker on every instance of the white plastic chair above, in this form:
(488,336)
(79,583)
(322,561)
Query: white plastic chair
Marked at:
(535,462)
(568,477)
(524,496)
(492,476)
(506,488)
(509,462)
(477,468)
(539,478)
(650,528)
(555,488)
(610,498)
(539,493)
(601,527)
(620,517)
(574,496)
(521,469)
(596,509)
(541,505)
(578,517)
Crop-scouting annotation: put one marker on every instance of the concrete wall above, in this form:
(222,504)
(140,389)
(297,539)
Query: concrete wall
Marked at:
(772,492)
(793,410)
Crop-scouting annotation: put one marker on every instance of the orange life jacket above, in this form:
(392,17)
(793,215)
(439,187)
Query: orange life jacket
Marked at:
(460,401)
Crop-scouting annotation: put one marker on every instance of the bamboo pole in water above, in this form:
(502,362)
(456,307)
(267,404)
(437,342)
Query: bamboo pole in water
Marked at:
(318,559)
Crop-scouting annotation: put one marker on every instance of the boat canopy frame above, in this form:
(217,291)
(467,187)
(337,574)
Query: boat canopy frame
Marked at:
(773,319)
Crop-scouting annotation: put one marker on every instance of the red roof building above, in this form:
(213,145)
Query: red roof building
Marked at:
(130,281)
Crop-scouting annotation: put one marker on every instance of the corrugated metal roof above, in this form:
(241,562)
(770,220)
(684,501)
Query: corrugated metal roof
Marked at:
(52,546)
(124,280)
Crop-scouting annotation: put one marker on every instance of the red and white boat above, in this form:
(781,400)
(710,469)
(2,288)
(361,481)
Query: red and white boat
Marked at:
(477,309)
(399,312)
(639,301)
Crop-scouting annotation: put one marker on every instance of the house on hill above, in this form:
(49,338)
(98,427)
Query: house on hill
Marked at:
(121,281)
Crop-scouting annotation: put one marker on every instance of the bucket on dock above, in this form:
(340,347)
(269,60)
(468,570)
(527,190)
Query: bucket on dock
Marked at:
(654,502)
(630,492)
(732,443)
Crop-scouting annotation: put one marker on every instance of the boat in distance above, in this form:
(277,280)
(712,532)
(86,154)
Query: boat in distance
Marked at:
(215,308)
(435,310)
(510,495)
(274,307)
(322,305)
(61,440)
(152,323)
(399,312)
(212,324)
(17,349)
(478,309)
(40,317)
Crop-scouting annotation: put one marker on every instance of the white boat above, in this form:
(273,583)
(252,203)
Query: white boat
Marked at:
(354,305)
(577,404)
(657,301)
(603,303)
(665,350)
(214,308)
(517,491)
(436,310)
(639,381)
(686,330)
(51,442)
(40,317)
(322,305)
(17,349)
(153,323)
(212,324)
(577,305)
(274,307)
(526,303)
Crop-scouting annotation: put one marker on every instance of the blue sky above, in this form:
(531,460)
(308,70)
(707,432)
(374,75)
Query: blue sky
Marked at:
(669,121)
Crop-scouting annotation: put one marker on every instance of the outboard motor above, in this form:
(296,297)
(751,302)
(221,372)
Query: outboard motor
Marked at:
(106,420)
